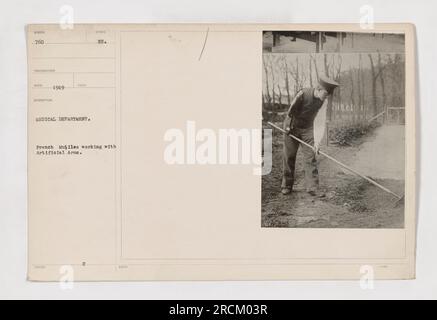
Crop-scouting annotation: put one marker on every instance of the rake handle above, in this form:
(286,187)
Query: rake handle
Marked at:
(337,162)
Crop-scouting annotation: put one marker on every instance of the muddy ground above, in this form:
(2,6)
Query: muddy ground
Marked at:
(350,202)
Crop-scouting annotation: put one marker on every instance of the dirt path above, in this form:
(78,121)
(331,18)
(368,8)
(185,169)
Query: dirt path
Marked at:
(383,155)
(350,201)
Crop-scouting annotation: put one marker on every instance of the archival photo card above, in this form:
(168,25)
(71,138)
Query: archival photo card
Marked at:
(221,152)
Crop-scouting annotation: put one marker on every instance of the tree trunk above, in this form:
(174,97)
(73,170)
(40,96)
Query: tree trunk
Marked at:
(310,72)
(297,86)
(374,77)
(273,83)
(268,98)
(315,67)
(280,96)
(360,89)
(381,78)
(287,82)
(325,62)
(337,78)
(329,106)
(352,97)
(363,107)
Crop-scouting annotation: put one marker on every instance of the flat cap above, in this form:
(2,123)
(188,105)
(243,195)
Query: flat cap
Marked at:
(328,83)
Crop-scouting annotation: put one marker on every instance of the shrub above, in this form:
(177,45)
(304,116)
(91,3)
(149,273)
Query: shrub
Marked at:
(347,134)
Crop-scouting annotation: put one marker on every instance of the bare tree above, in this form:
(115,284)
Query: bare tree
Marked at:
(360,88)
(381,78)
(313,59)
(310,65)
(273,82)
(375,75)
(287,81)
(329,106)
(363,108)
(325,63)
(266,70)
(297,75)
(336,74)
(280,95)
(352,91)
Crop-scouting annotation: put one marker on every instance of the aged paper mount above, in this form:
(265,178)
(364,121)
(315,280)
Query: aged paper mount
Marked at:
(105,205)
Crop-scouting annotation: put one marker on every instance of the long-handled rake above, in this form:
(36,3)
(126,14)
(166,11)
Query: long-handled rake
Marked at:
(399,198)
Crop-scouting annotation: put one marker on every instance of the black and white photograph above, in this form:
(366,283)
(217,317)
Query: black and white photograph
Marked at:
(335,105)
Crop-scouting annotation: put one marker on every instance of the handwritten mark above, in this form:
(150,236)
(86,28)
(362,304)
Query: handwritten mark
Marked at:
(204,44)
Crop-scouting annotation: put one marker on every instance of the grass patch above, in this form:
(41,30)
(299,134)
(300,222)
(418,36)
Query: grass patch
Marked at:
(352,197)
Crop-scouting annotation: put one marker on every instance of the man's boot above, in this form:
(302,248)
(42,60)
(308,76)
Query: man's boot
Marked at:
(285,191)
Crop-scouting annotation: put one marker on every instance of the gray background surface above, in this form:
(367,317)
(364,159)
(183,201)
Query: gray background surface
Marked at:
(14,15)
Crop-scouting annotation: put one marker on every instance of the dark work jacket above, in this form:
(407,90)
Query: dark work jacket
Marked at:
(303,109)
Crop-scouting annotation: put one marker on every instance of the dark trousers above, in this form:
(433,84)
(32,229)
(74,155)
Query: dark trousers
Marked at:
(289,159)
